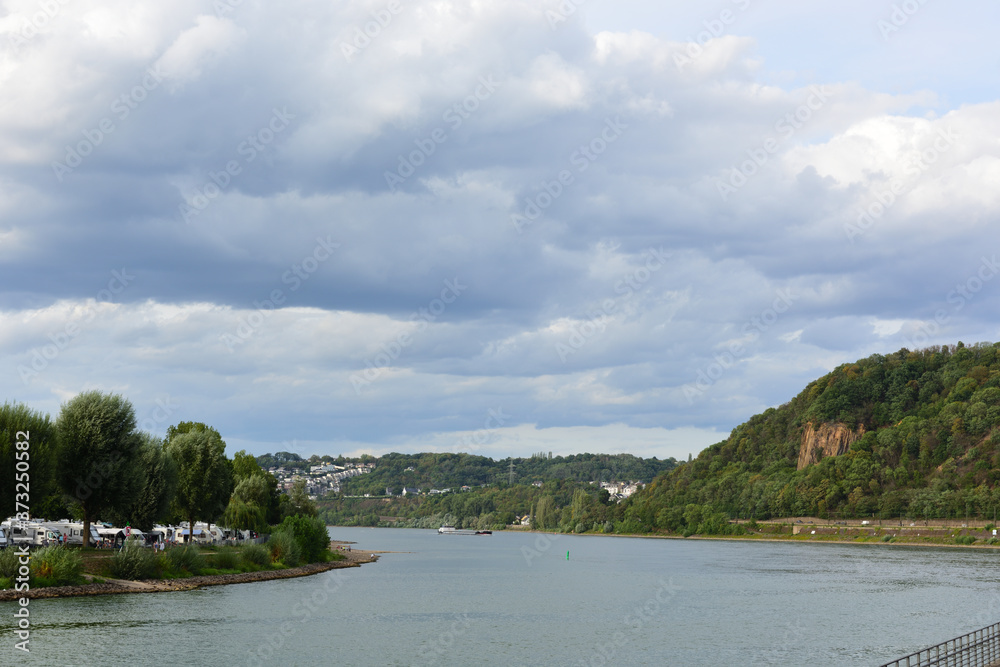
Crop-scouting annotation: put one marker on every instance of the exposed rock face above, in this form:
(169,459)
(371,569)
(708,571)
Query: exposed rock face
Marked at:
(827,440)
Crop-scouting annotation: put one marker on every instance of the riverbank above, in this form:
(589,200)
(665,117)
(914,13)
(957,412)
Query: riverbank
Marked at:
(352,558)
(874,538)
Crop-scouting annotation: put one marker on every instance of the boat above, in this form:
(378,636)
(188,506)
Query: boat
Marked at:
(451,530)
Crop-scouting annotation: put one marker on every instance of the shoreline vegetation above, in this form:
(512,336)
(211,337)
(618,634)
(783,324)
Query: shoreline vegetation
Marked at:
(108,586)
(943,533)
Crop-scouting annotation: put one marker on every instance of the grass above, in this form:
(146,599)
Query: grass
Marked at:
(64,566)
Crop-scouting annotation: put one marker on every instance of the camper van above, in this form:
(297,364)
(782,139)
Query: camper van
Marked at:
(30,534)
(72,531)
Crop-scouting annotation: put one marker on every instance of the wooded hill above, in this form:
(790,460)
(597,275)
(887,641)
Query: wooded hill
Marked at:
(911,434)
(442,470)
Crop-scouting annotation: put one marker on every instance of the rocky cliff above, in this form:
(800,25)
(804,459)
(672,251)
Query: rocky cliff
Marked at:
(827,440)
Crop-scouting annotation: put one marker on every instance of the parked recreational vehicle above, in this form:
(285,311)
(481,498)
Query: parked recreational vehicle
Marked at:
(3,538)
(30,533)
(73,531)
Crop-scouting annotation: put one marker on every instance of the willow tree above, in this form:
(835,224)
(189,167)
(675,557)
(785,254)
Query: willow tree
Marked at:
(155,492)
(204,474)
(98,454)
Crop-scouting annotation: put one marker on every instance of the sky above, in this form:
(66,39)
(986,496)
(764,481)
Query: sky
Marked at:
(494,227)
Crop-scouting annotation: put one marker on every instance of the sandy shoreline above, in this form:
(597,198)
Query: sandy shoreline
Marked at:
(352,558)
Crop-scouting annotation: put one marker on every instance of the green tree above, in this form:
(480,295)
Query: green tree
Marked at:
(247,506)
(299,502)
(156,491)
(37,465)
(99,450)
(204,474)
(246,466)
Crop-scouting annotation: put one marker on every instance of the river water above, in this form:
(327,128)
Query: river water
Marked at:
(516,599)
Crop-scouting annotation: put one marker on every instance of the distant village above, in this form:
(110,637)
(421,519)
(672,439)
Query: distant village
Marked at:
(324,479)
(320,479)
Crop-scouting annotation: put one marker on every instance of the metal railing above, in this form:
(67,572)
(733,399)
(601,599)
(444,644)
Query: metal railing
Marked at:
(980,648)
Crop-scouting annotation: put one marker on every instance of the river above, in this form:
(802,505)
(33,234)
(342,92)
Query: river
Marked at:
(517,599)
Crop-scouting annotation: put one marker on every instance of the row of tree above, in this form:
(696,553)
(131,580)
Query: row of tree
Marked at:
(93,463)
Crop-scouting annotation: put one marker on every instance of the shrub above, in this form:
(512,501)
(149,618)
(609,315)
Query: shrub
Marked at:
(58,565)
(255,554)
(226,559)
(8,563)
(185,558)
(133,561)
(965,539)
(310,535)
(284,549)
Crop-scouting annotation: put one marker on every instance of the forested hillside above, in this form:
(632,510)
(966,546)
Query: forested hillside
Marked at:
(438,471)
(911,434)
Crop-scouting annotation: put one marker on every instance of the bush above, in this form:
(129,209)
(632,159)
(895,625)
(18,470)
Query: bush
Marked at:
(133,561)
(284,549)
(965,539)
(185,558)
(310,536)
(58,565)
(226,559)
(255,554)
(8,563)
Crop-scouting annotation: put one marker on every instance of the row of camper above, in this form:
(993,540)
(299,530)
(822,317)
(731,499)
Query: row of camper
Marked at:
(40,533)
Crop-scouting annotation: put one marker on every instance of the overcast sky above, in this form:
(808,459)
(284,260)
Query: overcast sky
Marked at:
(492,227)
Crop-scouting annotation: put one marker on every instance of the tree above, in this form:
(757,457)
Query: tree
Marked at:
(156,490)
(246,466)
(18,423)
(204,474)
(99,451)
(247,506)
(299,501)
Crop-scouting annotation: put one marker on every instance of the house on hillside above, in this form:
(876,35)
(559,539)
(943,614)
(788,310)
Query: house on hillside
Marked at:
(407,491)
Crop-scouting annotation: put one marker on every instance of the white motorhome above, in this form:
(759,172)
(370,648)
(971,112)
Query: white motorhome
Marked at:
(3,538)
(73,531)
(29,533)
